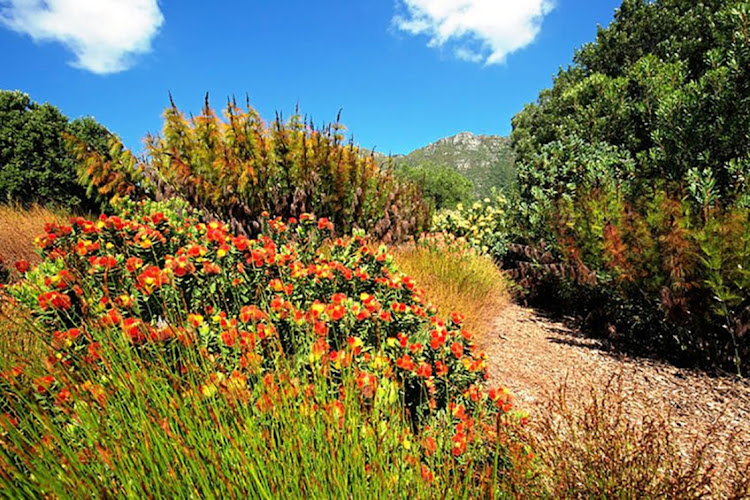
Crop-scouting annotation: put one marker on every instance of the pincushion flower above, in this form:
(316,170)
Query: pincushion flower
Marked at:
(22,266)
(54,300)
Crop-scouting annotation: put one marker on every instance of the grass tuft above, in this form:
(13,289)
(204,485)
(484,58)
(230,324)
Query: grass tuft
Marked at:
(456,278)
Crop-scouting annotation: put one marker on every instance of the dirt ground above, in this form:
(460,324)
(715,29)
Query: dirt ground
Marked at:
(533,356)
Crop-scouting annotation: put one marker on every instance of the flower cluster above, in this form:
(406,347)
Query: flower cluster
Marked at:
(230,308)
(483,224)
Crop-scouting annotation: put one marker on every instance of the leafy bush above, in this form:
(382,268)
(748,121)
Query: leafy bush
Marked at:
(170,336)
(443,186)
(633,182)
(35,163)
(238,168)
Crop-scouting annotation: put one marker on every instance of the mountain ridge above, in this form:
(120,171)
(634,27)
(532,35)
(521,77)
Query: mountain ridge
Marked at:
(486,160)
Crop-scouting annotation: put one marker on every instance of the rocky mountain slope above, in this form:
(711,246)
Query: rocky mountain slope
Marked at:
(487,160)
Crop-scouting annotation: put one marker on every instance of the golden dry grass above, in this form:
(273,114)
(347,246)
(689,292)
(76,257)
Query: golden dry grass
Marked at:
(590,448)
(456,278)
(19,227)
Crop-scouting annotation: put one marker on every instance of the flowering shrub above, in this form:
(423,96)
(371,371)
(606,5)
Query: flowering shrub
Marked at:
(288,314)
(236,168)
(484,224)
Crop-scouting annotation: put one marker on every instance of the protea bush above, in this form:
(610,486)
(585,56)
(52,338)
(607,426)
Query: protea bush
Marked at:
(183,359)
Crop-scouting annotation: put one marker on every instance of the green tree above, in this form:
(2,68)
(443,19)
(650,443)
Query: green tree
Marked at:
(445,187)
(36,164)
(636,165)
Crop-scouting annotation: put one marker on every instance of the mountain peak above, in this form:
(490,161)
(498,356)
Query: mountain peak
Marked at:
(485,159)
(467,140)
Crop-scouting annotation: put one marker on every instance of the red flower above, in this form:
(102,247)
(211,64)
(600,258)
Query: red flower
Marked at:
(240,243)
(336,312)
(133,328)
(321,328)
(44,383)
(181,266)
(151,279)
(367,382)
(63,397)
(210,268)
(22,266)
(324,223)
(229,337)
(437,338)
(252,313)
(427,474)
(133,263)
(320,347)
(441,369)
(424,370)
(56,300)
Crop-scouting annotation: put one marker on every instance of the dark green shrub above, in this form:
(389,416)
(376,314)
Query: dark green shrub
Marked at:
(36,165)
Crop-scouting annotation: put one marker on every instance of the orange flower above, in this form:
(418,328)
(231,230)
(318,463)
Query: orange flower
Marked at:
(424,370)
(133,329)
(367,382)
(133,263)
(151,279)
(441,369)
(457,349)
(210,268)
(195,320)
(398,307)
(181,266)
(320,347)
(336,312)
(321,328)
(252,313)
(405,363)
(427,474)
(324,223)
(437,338)
(44,383)
(229,337)
(55,300)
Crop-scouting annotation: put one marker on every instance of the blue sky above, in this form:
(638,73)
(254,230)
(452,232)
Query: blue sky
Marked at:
(405,72)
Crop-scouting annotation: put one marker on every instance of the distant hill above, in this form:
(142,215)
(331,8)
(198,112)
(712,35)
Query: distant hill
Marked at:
(486,160)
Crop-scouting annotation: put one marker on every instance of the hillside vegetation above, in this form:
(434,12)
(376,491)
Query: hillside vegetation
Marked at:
(234,324)
(485,160)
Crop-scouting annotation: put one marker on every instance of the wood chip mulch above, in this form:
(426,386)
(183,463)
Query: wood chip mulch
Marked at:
(533,356)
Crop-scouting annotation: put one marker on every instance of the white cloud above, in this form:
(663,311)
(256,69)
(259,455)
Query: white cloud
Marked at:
(476,30)
(104,35)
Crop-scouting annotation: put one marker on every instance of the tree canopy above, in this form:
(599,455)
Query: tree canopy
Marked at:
(36,164)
